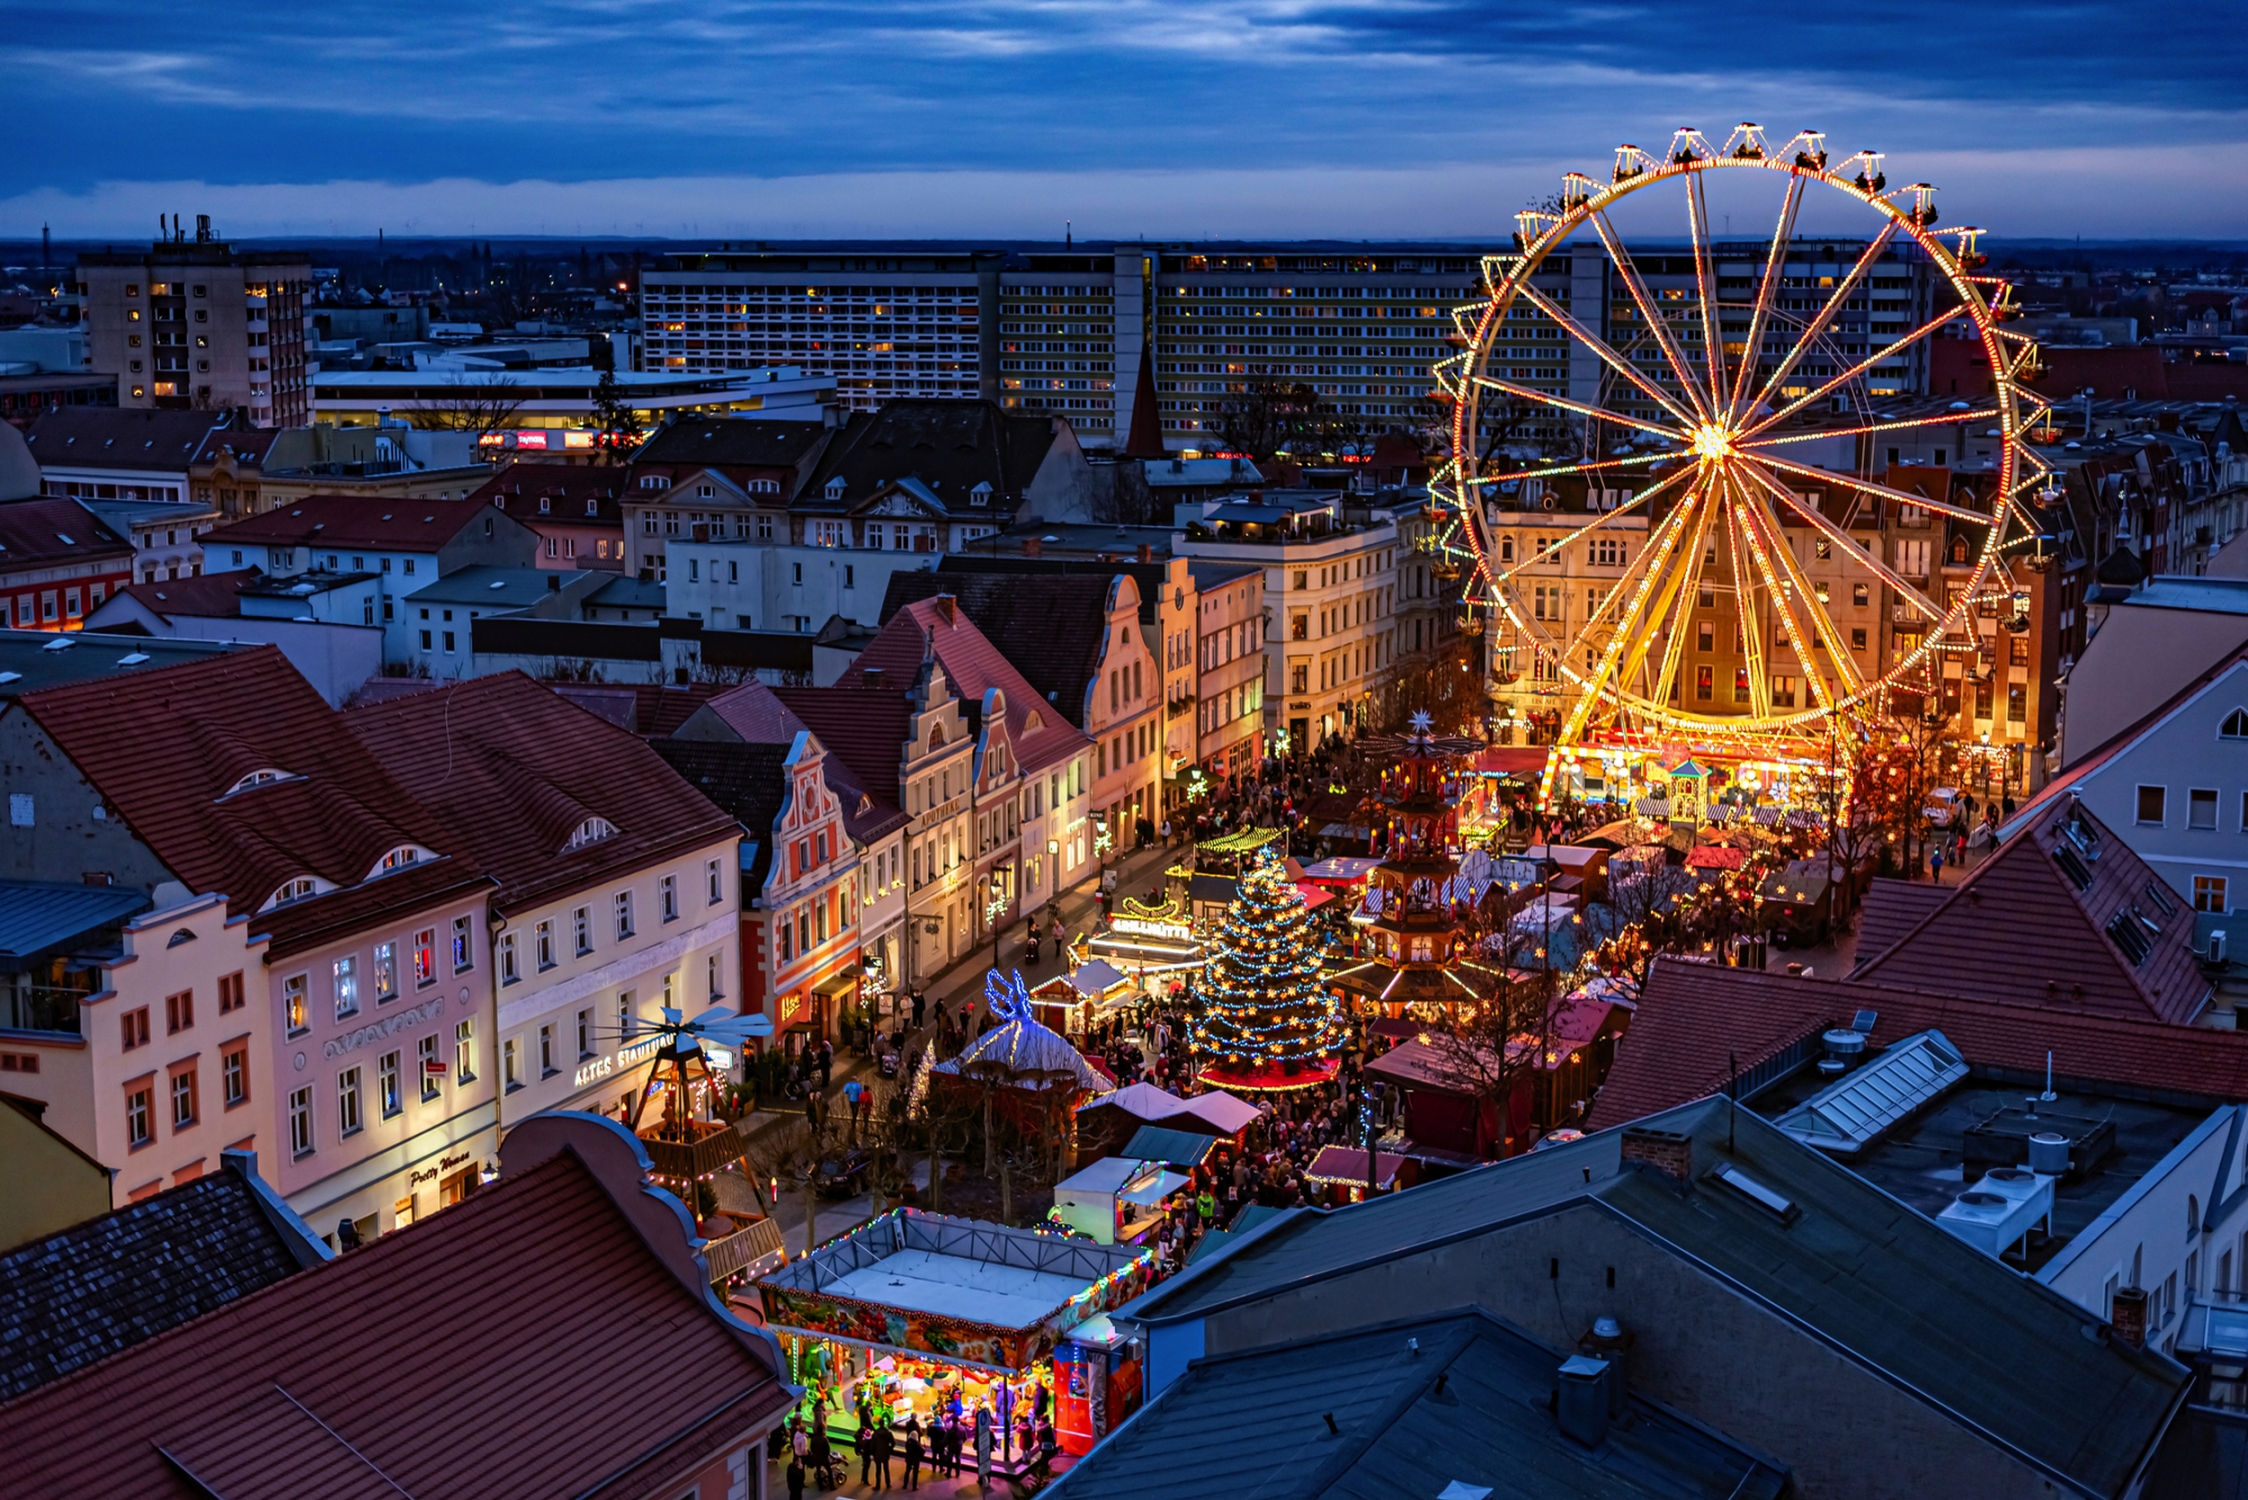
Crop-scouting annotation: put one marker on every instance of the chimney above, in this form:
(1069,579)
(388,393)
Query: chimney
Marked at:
(871,676)
(2130,1316)
(1033,546)
(1666,1152)
(1582,1401)
(948,609)
(1147,553)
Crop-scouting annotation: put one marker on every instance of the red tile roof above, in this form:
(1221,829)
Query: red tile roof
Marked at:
(1892,909)
(207,595)
(376,522)
(2017,929)
(567,489)
(515,769)
(434,1363)
(1697,1022)
(54,531)
(973,666)
(165,749)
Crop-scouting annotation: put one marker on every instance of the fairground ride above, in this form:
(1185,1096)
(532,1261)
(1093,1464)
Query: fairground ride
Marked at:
(1698,427)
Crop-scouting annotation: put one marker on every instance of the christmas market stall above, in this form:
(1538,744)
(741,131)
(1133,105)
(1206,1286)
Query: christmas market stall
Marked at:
(1026,1074)
(1119,1200)
(1106,1123)
(923,1315)
(1149,941)
(1072,1003)
(1340,1171)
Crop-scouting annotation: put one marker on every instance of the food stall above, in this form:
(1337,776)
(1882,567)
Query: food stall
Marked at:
(1118,1200)
(1070,1003)
(1143,940)
(929,1313)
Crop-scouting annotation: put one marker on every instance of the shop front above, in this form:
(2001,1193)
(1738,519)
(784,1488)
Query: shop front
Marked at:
(932,1319)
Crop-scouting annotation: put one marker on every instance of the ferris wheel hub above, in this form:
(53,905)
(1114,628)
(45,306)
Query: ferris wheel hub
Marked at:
(1713,441)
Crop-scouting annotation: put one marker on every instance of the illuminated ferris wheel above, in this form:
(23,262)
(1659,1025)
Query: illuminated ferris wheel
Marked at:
(1701,467)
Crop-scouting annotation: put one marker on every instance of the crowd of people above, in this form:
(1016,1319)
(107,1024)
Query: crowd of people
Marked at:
(1016,1421)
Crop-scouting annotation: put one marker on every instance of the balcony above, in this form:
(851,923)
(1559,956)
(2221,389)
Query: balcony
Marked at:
(39,1007)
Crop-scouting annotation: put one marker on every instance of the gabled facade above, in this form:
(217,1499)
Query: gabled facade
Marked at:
(58,562)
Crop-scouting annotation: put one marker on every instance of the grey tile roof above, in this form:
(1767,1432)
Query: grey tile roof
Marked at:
(115,1281)
(1256,1424)
(1877,1280)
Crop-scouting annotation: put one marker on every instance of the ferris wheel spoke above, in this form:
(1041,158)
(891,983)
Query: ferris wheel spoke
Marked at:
(1751,628)
(1677,617)
(1705,289)
(1775,266)
(1637,460)
(1824,318)
(1814,434)
(1841,538)
(1853,372)
(1762,547)
(1626,636)
(1868,487)
(1656,324)
(1844,667)
(1554,552)
(1547,398)
(1606,352)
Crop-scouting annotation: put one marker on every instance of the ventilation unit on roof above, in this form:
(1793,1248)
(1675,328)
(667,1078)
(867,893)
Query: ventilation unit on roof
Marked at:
(2072,865)
(2130,936)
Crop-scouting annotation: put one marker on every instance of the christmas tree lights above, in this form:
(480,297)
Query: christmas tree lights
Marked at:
(1260,1013)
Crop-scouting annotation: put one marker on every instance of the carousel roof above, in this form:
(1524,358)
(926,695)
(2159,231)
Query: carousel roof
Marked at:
(1455,982)
(1031,1052)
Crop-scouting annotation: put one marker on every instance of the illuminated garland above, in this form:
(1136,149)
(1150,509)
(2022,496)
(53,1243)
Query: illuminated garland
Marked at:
(1260,999)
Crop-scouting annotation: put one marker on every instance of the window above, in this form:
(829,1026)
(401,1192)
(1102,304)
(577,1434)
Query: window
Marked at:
(300,1121)
(179,1011)
(140,1109)
(347,987)
(715,881)
(2235,726)
(464,952)
(581,929)
(511,1065)
(667,894)
(1858,639)
(2201,808)
(432,1071)
(386,1075)
(2151,799)
(546,1052)
(624,915)
(292,1003)
(183,1098)
(585,1034)
(717,977)
(347,1102)
(234,1075)
(230,993)
(628,1024)
(464,1052)
(2209,894)
(425,956)
(542,944)
(1705,684)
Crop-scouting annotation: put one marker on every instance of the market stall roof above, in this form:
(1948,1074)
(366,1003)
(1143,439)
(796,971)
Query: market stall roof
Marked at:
(1417,1064)
(1314,897)
(1396,1028)
(1141,1100)
(1162,1186)
(1096,978)
(1108,1175)
(1220,888)
(1716,857)
(1346,1165)
(1343,869)
(1219,1110)
(1178,1148)
(1511,760)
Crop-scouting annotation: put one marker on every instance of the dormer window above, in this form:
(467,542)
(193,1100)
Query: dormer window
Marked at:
(980,495)
(592,507)
(399,858)
(546,505)
(263,776)
(655,482)
(591,831)
(302,888)
(835,488)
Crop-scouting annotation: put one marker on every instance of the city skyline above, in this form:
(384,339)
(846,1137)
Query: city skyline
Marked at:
(1121,121)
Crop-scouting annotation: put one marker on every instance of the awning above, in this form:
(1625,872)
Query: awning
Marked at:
(1162,1187)
(1314,897)
(835,984)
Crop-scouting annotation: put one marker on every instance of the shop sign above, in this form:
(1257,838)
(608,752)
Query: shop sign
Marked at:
(1178,932)
(375,1031)
(624,1057)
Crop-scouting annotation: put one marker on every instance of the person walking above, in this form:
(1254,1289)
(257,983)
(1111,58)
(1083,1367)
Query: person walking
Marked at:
(912,1454)
(920,1006)
(1936,864)
(827,1062)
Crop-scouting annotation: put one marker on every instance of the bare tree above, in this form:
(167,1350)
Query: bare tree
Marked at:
(1491,1049)
(479,404)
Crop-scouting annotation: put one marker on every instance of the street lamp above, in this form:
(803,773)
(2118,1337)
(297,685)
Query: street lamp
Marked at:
(995,908)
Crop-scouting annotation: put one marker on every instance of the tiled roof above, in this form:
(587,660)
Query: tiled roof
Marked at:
(1698,1024)
(1150,576)
(53,531)
(749,781)
(567,488)
(415,1366)
(96,1288)
(516,770)
(732,442)
(206,595)
(864,727)
(391,523)
(1892,909)
(950,446)
(167,749)
(2018,929)
(92,437)
(1050,628)
(973,666)
(648,709)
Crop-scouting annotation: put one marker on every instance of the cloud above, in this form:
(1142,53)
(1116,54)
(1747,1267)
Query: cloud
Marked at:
(613,111)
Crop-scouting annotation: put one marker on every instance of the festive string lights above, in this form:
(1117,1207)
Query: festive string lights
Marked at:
(1260,1011)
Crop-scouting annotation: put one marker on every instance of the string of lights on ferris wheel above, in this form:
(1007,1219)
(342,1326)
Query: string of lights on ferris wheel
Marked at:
(1724,427)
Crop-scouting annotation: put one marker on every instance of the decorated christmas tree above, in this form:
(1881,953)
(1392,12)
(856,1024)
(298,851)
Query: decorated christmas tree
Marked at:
(1262,1019)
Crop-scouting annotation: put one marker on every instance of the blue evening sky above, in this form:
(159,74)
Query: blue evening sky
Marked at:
(1008,117)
